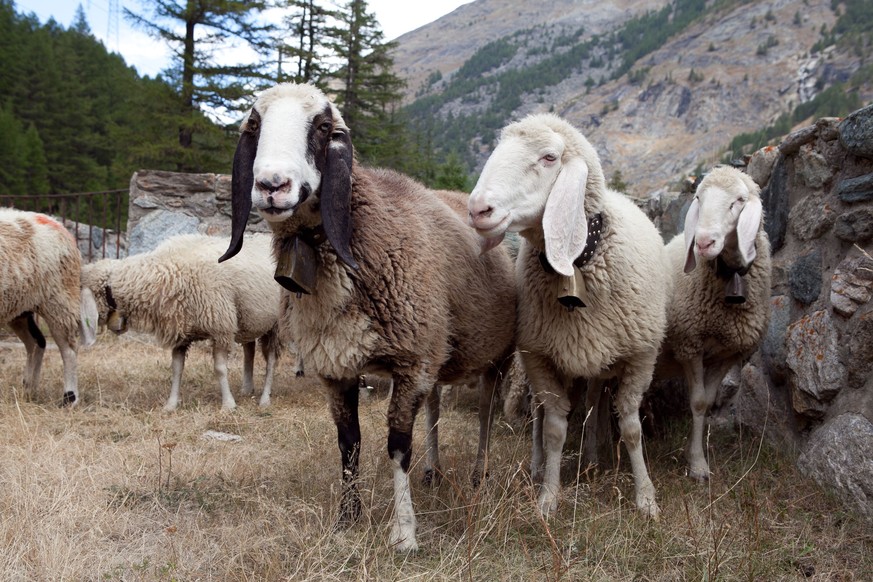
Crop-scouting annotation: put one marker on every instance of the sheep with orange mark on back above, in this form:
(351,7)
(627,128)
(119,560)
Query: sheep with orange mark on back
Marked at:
(40,267)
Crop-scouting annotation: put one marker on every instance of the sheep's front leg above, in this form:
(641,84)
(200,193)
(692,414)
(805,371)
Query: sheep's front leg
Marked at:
(634,383)
(248,386)
(552,393)
(343,399)
(34,344)
(537,459)
(219,365)
(409,390)
(432,471)
(702,390)
(179,353)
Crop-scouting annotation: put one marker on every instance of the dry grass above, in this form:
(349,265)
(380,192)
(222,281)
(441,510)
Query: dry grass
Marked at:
(116,489)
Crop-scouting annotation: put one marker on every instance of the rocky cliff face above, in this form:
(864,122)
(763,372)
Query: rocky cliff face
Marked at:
(731,72)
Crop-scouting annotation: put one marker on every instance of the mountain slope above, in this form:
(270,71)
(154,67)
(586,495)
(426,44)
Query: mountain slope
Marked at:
(727,67)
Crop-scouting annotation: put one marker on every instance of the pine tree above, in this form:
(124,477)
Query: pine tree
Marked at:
(202,82)
(370,92)
(307,30)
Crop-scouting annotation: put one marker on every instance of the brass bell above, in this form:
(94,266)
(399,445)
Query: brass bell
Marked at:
(572,292)
(116,322)
(296,266)
(735,291)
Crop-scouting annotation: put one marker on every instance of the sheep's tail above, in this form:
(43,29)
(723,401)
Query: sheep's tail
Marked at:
(516,403)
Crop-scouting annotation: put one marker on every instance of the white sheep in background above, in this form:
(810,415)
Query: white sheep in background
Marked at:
(180,294)
(39,274)
(398,285)
(544,180)
(712,322)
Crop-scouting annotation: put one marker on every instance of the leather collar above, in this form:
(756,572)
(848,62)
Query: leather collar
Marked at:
(595,234)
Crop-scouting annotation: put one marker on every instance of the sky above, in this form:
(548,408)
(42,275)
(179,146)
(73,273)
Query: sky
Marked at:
(150,56)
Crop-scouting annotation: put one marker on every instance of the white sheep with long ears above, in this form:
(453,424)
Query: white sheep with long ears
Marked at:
(179,293)
(544,180)
(39,275)
(384,276)
(719,308)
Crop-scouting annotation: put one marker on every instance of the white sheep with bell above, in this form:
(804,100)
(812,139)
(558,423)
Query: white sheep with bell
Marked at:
(719,308)
(592,283)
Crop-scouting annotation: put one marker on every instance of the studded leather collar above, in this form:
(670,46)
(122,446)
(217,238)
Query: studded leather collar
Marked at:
(595,233)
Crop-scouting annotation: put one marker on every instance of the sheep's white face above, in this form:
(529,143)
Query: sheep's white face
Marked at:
(285,172)
(515,183)
(719,212)
(725,214)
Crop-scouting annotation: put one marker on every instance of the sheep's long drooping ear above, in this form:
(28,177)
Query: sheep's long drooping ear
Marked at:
(241,183)
(691,219)
(564,222)
(336,195)
(747,229)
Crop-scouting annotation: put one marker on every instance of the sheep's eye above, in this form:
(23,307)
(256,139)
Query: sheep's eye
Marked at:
(550,158)
(325,127)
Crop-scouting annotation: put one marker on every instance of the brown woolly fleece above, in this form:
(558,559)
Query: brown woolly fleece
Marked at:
(423,305)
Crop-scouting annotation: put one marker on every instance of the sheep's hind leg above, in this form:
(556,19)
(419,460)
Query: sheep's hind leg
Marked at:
(432,471)
(488,385)
(179,353)
(634,382)
(248,387)
(66,339)
(27,331)
(219,364)
(343,398)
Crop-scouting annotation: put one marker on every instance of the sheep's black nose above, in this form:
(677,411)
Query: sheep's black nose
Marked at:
(273,185)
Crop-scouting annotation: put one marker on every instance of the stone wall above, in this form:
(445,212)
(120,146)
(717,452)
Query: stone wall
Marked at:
(163,204)
(810,386)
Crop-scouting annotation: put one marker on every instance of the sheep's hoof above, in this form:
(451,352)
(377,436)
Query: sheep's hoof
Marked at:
(402,538)
(476,478)
(70,399)
(432,478)
(170,407)
(264,403)
(648,507)
(701,475)
(548,504)
(350,512)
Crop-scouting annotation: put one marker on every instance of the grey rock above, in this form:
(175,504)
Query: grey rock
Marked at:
(855,226)
(761,165)
(773,353)
(174,183)
(811,218)
(813,168)
(804,277)
(814,359)
(145,202)
(793,141)
(851,285)
(859,363)
(775,199)
(858,189)
(837,457)
(856,132)
(158,225)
